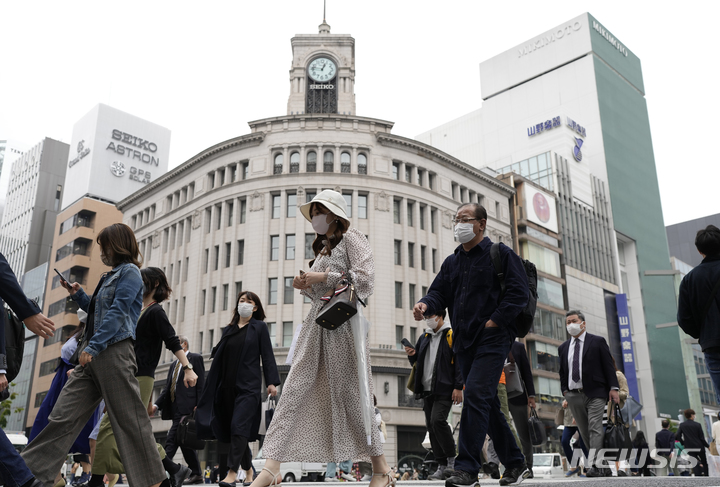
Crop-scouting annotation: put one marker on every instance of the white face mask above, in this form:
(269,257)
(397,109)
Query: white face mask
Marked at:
(320,224)
(574,328)
(431,323)
(245,309)
(464,232)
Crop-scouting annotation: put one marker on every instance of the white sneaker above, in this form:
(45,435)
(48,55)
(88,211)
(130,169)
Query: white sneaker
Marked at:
(366,478)
(331,479)
(348,477)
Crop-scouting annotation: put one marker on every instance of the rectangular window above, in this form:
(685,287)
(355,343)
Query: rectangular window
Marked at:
(245,168)
(413,334)
(348,202)
(410,218)
(233,173)
(211,339)
(39,398)
(411,254)
(309,195)
(411,295)
(398,294)
(423,251)
(182,310)
(274,247)
(399,332)
(213,296)
(243,209)
(166,238)
(230,214)
(434,260)
(275,206)
(396,170)
(408,174)
(424,291)
(218,219)
(47,368)
(398,252)
(362,206)
(289,294)
(216,257)
(271,331)
(433,217)
(422,217)
(202,305)
(550,293)
(545,259)
(200,342)
(272,290)
(208,220)
(226,296)
(185,269)
(240,252)
(291,205)
(287,333)
(289,247)
(309,239)
(181,233)
(228,254)
(396,211)
(238,289)
(206,261)
(188,229)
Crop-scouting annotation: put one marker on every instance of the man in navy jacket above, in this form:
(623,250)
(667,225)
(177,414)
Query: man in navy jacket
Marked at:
(13,471)
(483,331)
(699,301)
(439,383)
(587,380)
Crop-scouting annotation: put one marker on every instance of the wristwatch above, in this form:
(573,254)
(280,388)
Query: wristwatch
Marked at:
(188,366)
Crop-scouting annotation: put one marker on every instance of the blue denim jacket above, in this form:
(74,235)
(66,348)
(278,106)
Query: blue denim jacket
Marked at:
(117,307)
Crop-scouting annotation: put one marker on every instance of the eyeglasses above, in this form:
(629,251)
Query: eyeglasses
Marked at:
(463,220)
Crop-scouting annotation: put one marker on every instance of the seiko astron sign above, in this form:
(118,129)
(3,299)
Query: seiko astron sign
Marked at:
(117,154)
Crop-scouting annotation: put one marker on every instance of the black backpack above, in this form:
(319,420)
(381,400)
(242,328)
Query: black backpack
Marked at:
(14,343)
(524,320)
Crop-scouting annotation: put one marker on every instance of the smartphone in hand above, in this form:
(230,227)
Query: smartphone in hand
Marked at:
(62,279)
(407,343)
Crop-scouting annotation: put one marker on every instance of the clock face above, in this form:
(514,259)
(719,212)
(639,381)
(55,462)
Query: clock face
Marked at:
(322,69)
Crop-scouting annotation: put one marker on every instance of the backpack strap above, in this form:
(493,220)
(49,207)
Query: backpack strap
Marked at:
(497,263)
(449,338)
(709,303)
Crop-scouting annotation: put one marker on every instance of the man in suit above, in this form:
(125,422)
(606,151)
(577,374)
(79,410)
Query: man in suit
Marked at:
(13,471)
(176,401)
(587,379)
(690,434)
(665,441)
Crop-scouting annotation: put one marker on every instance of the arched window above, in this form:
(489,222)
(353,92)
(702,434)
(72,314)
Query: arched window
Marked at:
(311,161)
(362,164)
(328,161)
(278,166)
(295,162)
(345,162)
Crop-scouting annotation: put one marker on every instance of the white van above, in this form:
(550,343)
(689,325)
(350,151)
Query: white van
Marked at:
(18,440)
(548,465)
(295,471)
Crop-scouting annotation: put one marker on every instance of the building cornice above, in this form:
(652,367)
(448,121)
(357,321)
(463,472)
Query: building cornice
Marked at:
(320,116)
(248,140)
(433,153)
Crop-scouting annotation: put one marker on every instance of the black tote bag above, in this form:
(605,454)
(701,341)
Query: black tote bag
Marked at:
(536,429)
(617,438)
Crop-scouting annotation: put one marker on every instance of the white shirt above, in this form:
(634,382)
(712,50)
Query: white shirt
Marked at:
(175,362)
(571,354)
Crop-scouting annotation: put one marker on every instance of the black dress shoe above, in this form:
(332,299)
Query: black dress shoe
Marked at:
(179,477)
(195,479)
(227,484)
(594,472)
(461,479)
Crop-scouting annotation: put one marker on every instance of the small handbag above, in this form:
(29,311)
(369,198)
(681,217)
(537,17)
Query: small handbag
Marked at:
(513,382)
(560,416)
(187,434)
(340,305)
(411,379)
(267,412)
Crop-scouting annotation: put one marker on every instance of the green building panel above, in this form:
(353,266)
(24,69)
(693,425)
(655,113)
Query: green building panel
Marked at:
(637,212)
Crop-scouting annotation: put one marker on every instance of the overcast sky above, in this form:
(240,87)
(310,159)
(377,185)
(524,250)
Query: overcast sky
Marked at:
(204,69)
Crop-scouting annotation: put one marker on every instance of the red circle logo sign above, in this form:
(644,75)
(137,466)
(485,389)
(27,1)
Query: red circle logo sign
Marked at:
(542,208)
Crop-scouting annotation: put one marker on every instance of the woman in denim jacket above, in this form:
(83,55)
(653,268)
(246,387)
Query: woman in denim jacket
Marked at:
(106,370)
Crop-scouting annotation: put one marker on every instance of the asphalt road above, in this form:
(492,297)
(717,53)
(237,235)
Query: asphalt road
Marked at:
(602,482)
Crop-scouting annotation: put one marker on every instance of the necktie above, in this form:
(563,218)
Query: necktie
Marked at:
(576,362)
(176,374)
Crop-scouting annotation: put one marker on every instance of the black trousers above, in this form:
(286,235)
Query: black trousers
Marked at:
(520,418)
(239,455)
(702,467)
(441,438)
(171,447)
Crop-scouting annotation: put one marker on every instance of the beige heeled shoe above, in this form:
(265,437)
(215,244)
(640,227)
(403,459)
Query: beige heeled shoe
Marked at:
(391,479)
(275,482)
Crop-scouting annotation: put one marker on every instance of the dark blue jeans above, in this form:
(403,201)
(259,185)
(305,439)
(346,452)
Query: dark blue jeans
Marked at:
(13,471)
(567,435)
(481,364)
(712,360)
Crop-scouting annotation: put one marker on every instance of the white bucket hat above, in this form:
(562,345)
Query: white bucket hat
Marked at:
(332,200)
(82,315)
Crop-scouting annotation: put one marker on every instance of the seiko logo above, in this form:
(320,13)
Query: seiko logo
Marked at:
(548,38)
(134,141)
(322,87)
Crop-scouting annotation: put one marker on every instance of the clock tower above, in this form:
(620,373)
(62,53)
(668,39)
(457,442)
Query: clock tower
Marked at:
(322,75)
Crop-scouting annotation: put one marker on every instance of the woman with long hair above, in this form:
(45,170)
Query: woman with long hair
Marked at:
(229,409)
(321,415)
(106,370)
(153,329)
(62,371)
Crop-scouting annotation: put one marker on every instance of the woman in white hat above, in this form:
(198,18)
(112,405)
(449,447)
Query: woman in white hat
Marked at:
(320,416)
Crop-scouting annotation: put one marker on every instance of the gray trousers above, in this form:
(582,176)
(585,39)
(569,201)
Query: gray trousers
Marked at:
(588,414)
(520,418)
(110,376)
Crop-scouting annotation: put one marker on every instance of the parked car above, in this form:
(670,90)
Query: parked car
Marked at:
(548,465)
(18,440)
(295,471)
